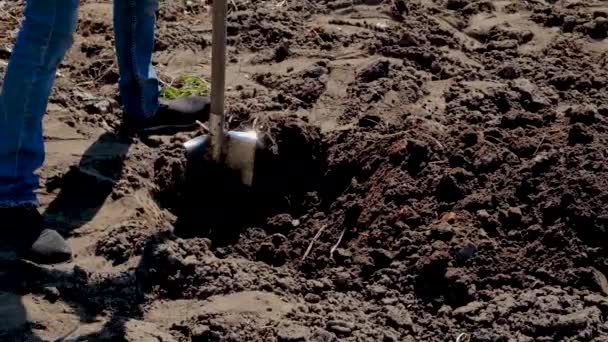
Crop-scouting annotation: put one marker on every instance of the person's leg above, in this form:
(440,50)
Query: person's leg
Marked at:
(134,28)
(42,42)
(134,24)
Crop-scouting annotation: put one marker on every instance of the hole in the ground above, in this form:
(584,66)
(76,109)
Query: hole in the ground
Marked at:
(209,200)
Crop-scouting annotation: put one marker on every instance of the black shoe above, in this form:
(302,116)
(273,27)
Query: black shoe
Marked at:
(26,234)
(181,112)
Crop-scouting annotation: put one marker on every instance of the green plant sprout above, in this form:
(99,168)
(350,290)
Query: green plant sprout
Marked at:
(186,86)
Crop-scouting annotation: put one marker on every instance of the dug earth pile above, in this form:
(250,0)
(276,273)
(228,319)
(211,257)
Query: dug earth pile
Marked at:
(436,171)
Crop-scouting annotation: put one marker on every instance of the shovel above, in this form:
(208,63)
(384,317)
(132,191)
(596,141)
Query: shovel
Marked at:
(235,150)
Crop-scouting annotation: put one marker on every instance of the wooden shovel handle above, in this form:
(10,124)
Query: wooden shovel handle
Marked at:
(218,76)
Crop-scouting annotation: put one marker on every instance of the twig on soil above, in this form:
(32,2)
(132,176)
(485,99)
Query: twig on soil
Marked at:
(163,83)
(261,126)
(351,55)
(236,8)
(100,76)
(281,4)
(314,30)
(434,140)
(313,241)
(107,71)
(392,135)
(203,126)
(540,143)
(439,162)
(333,249)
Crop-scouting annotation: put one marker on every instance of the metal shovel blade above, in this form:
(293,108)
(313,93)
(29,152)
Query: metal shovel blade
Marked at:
(235,150)
(239,150)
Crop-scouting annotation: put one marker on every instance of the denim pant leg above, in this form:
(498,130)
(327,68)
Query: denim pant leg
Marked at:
(134,25)
(41,44)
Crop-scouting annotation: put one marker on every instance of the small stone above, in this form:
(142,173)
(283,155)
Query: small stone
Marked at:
(509,72)
(382,258)
(316,286)
(283,283)
(312,298)
(579,134)
(342,280)
(448,189)
(84,96)
(380,69)
(389,337)
(418,151)
(483,214)
(515,214)
(442,232)
(506,44)
(281,53)
(341,255)
(569,24)
(292,333)
(322,335)
(99,107)
(599,29)
(341,327)
(327,283)
(482,318)
(586,115)
(153,140)
(200,333)
(280,223)
(444,310)
(472,307)
(595,299)
(389,300)
(266,252)
(579,320)
(378,290)
(399,318)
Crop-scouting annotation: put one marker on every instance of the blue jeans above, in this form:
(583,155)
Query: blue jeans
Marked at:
(44,39)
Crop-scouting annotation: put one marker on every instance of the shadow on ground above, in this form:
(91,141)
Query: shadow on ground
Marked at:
(85,187)
(122,295)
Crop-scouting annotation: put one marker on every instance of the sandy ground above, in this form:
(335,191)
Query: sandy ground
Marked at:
(437,173)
